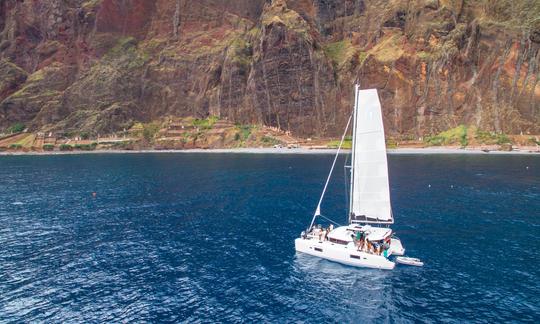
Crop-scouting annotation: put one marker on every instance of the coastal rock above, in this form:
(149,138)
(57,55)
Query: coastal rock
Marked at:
(12,78)
(101,65)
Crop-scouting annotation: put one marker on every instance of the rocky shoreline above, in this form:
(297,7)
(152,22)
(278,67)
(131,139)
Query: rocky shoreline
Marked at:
(419,151)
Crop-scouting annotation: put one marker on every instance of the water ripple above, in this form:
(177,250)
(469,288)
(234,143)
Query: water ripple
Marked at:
(198,238)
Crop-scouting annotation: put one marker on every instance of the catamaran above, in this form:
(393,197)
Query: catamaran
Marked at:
(367,241)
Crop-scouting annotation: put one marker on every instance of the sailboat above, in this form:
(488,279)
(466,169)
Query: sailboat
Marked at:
(367,240)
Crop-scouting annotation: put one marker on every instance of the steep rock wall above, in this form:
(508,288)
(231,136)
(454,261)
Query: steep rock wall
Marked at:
(100,65)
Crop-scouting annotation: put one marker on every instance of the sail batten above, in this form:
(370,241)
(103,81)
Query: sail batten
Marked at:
(370,191)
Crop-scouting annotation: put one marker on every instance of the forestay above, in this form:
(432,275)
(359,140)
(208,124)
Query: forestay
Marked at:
(370,193)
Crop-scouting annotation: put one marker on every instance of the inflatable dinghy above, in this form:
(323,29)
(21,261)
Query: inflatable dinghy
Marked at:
(409,261)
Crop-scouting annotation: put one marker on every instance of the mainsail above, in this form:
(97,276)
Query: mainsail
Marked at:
(370,192)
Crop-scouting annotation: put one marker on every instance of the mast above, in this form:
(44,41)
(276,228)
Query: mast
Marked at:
(353,150)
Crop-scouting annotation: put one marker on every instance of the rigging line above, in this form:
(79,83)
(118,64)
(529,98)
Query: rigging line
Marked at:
(331,221)
(318,210)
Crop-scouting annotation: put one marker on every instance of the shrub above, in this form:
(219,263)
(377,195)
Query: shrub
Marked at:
(269,140)
(245,131)
(66,147)
(347,144)
(464,140)
(16,128)
(205,124)
(16,146)
(391,143)
(451,136)
(150,130)
(86,147)
(534,140)
(434,140)
(48,147)
(492,138)
(503,139)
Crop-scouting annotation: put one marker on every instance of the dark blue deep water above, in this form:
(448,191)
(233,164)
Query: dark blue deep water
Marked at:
(209,237)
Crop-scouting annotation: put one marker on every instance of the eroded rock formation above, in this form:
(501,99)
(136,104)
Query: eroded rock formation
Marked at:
(101,65)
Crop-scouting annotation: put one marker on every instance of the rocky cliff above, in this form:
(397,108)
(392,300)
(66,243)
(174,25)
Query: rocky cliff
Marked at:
(101,65)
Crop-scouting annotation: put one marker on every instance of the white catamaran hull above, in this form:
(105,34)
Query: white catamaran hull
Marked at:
(345,254)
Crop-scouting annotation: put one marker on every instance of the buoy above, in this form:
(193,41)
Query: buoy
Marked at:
(429,186)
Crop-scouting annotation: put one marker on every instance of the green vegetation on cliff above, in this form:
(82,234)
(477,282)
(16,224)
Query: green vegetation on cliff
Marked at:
(240,52)
(515,14)
(243,133)
(491,137)
(347,143)
(535,141)
(85,147)
(16,128)
(463,135)
(205,124)
(126,53)
(150,130)
(339,52)
(389,49)
(66,147)
(457,135)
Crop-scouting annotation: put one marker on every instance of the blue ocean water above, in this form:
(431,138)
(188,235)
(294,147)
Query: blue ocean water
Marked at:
(209,237)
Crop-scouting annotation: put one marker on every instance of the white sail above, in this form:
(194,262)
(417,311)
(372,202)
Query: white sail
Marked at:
(370,192)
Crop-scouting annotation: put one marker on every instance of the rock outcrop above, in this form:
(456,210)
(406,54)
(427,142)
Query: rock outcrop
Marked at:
(101,65)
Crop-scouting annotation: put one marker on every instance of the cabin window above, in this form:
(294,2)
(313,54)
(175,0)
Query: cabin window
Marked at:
(355,257)
(333,240)
(318,249)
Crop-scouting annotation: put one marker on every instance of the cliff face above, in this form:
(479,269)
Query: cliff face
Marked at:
(100,65)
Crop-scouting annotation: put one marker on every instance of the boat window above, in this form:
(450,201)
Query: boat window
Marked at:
(318,249)
(333,240)
(355,256)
